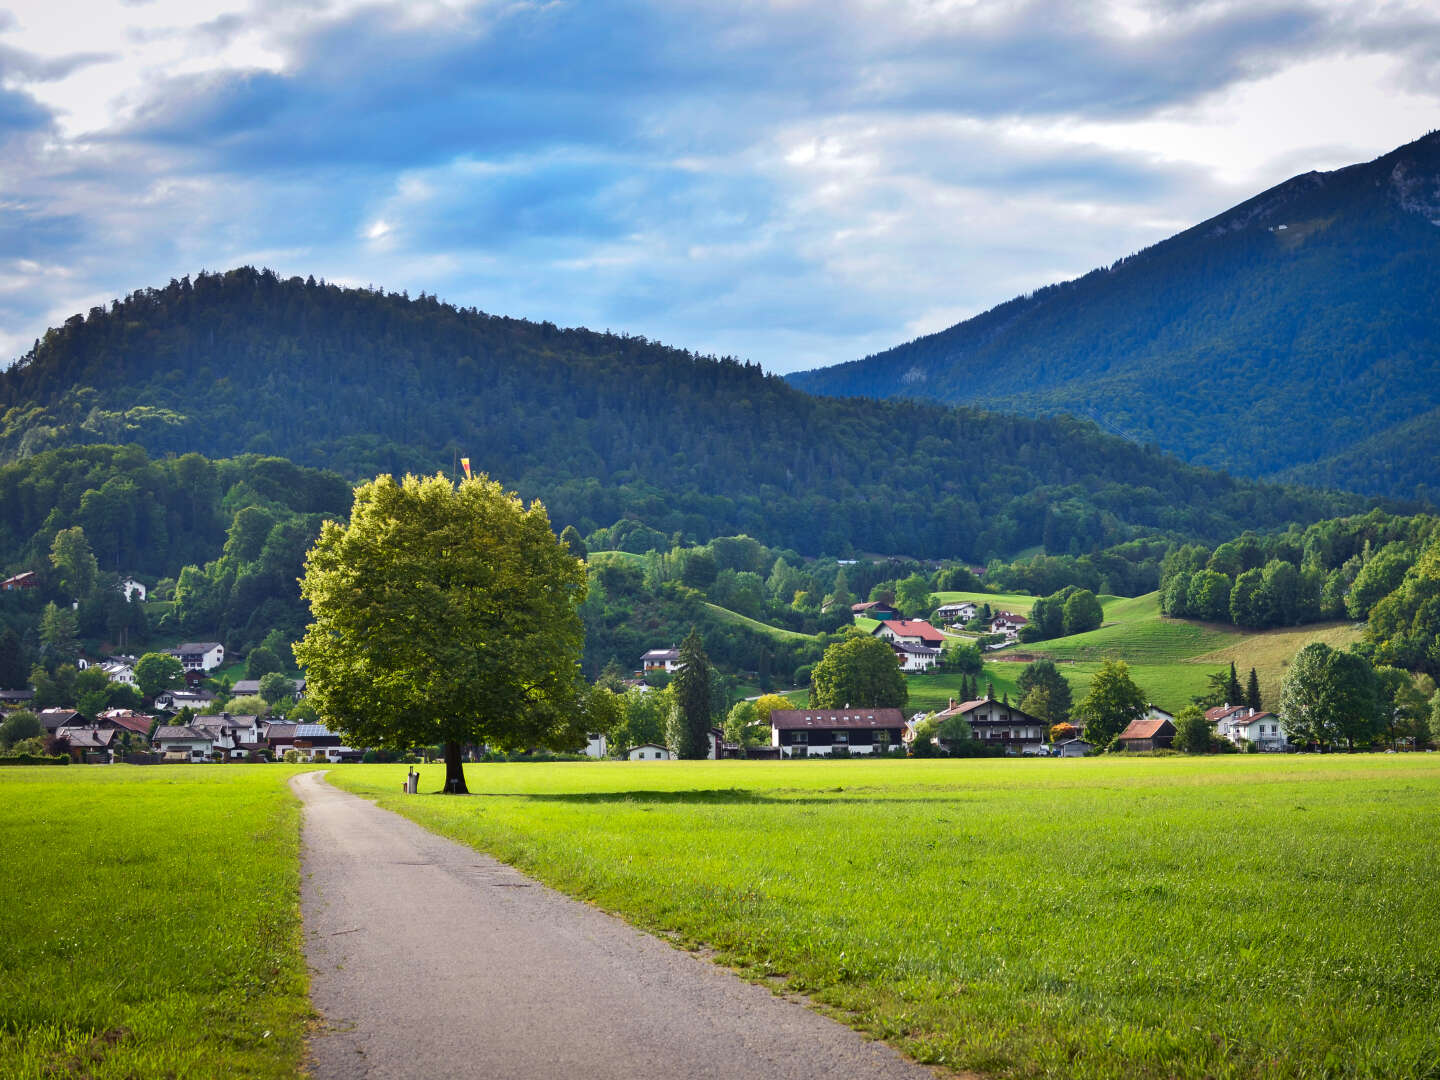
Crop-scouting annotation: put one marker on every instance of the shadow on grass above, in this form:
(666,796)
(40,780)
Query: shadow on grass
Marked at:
(714,797)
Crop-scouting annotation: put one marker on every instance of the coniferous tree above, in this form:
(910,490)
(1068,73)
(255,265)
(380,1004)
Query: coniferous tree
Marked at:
(691,688)
(13,673)
(1252,691)
(1233,694)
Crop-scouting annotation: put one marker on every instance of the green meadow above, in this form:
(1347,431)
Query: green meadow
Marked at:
(1162,917)
(152,922)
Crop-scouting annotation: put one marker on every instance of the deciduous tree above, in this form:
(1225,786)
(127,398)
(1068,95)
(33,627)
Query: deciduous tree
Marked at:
(157,672)
(859,670)
(1192,731)
(444,615)
(75,562)
(1113,701)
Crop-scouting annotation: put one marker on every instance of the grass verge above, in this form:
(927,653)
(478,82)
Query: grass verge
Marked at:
(152,920)
(1232,917)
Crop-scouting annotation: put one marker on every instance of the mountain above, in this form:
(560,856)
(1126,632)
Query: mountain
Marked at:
(601,427)
(1296,336)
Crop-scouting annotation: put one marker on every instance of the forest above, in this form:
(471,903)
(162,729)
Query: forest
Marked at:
(601,427)
(1290,337)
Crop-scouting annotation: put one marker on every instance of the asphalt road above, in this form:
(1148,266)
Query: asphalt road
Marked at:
(431,960)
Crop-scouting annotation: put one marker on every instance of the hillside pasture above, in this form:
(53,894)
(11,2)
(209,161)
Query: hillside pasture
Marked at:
(1169,685)
(1019,603)
(1269,652)
(1235,917)
(152,922)
(734,617)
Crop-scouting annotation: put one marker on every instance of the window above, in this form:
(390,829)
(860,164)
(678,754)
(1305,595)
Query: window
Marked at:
(799,738)
(842,737)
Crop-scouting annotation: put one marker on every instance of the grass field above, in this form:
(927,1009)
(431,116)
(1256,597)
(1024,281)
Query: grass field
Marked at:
(1171,686)
(726,615)
(1019,603)
(1269,652)
(1229,917)
(152,922)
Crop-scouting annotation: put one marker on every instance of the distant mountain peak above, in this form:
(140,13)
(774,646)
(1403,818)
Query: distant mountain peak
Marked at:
(1272,339)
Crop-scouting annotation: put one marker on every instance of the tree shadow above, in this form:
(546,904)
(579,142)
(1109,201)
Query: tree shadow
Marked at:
(713,797)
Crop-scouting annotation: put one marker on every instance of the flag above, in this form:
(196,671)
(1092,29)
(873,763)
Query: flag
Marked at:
(465,464)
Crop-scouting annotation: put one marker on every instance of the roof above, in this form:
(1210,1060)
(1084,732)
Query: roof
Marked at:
(914,650)
(196,646)
(81,738)
(1145,728)
(870,605)
(650,745)
(1221,711)
(17,695)
(131,721)
(911,628)
(54,718)
(1257,715)
(830,719)
(180,731)
(278,730)
(1017,714)
(313,731)
(25,579)
(1071,742)
(211,720)
(662,654)
(1010,617)
(246,686)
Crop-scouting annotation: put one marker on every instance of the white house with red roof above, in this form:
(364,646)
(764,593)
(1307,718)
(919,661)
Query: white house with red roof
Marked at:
(1243,725)
(1007,623)
(910,631)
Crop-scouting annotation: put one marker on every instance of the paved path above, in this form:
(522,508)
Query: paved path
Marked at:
(431,960)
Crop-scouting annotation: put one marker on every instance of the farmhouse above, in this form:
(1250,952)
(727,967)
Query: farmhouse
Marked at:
(996,723)
(819,732)
(874,609)
(200,655)
(1007,623)
(181,743)
(915,657)
(666,660)
(961,612)
(1147,734)
(909,631)
(1253,725)
(26,580)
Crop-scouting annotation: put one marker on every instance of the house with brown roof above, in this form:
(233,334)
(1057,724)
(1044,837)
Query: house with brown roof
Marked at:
(137,724)
(910,631)
(820,732)
(25,580)
(178,742)
(874,609)
(88,745)
(1145,733)
(54,719)
(997,723)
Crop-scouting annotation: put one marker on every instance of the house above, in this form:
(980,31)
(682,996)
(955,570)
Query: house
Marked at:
(125,720)
(181,743)
(596,746)
(175,700)
(648,752)
(1076,747)
(318,743)
(1147,734)
(1255,726)
(229,732)
(874,609)
(120,669)
(1154,712)
(1008,623)
(997,724)
(915,657)
(132,589)
(250,687)
(16,698)
(26,580)
(279,737)
(54,719)
(1224,712)
(200,655)
(909,631)
(90,745)
(962,612)
(714,744)
(666,660)
(819,732)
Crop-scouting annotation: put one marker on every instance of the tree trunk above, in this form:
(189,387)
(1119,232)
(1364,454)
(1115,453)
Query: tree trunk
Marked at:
(454,771)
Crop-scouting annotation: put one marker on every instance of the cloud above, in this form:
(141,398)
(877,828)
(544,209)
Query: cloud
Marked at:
(798,182)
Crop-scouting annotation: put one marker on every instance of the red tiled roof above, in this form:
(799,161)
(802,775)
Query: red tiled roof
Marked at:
(912,628)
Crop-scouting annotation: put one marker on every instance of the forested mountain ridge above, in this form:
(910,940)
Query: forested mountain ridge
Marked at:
(1294,336)
(600,426)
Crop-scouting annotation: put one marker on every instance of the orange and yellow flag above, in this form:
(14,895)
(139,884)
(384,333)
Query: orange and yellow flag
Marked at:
(465,464)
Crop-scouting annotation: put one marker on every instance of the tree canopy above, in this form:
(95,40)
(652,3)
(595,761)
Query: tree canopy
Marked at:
(1112,702)
(859,670)
(444,615)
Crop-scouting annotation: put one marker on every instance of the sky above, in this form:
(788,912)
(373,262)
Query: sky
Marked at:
(798,183)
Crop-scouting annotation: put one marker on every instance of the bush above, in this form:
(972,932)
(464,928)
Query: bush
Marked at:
(34,759)
(294,757)
(839,752)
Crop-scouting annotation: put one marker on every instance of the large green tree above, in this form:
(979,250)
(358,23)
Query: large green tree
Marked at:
(858,670)
(444,615)
(1082,612)
(157,672)
(74,562)
(1193,734)
(912,594)
(1330,697)
(1044,674)
(691,689)
(1113,701)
